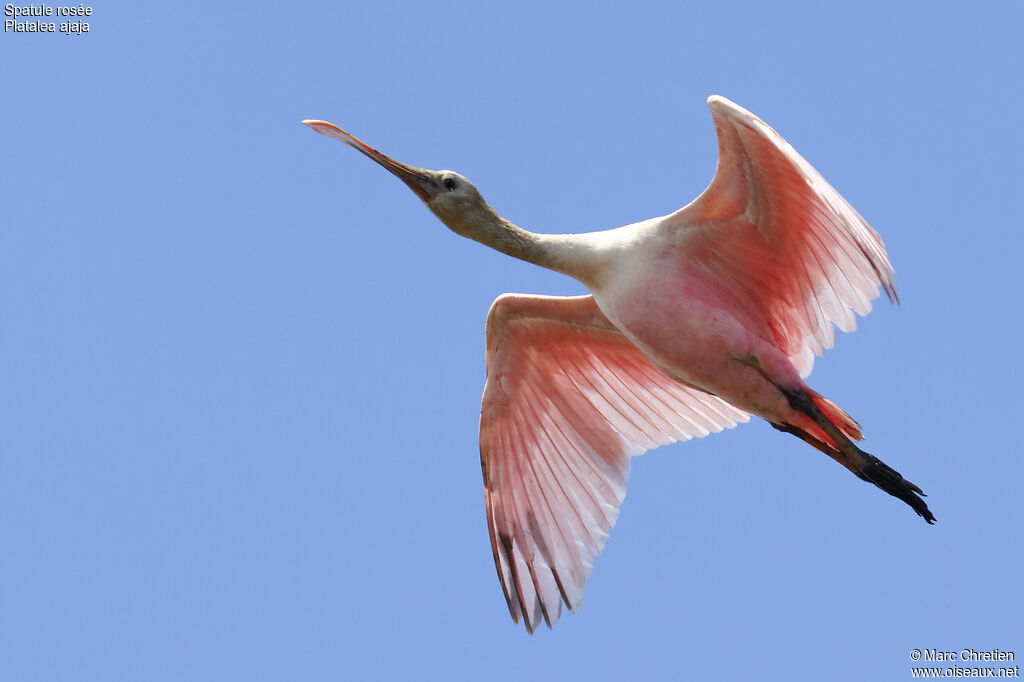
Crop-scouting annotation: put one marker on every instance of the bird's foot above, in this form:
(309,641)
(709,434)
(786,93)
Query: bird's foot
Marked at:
(888,479)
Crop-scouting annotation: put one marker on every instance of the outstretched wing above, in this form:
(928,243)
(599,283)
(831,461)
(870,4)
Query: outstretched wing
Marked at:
(779,240)
(568,401)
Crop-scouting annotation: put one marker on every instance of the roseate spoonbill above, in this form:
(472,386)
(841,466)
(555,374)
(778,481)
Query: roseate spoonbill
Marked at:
(695,321)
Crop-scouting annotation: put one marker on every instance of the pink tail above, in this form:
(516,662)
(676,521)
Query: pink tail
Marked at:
(835,414)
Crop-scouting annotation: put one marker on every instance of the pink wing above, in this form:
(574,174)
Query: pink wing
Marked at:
(568,401)
(786,249)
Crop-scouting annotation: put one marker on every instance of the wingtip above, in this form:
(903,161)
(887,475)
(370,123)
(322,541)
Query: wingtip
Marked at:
(719,102)
(724,105)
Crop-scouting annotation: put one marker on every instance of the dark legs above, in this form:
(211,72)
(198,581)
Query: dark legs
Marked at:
(866,466)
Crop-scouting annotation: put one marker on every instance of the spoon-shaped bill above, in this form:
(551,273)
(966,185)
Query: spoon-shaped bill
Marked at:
(419,180)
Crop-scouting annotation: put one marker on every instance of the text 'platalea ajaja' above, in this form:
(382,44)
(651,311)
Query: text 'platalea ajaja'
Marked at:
(695,321)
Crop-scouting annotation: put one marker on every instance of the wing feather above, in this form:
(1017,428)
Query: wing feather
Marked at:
(568,401)
(780,241)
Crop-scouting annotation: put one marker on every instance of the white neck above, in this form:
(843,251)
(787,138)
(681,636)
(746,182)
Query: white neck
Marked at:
(575,255)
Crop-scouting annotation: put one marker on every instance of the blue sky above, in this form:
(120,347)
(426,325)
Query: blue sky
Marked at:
(241,365)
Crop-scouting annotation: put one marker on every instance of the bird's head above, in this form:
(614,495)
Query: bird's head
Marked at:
(450,196)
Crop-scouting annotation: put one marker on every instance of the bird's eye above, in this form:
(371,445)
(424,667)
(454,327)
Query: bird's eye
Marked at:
(449,182)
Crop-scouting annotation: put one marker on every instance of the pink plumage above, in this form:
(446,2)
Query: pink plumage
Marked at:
(695,321)
(568,400)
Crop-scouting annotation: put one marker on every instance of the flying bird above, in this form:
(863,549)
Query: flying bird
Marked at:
(695,320)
